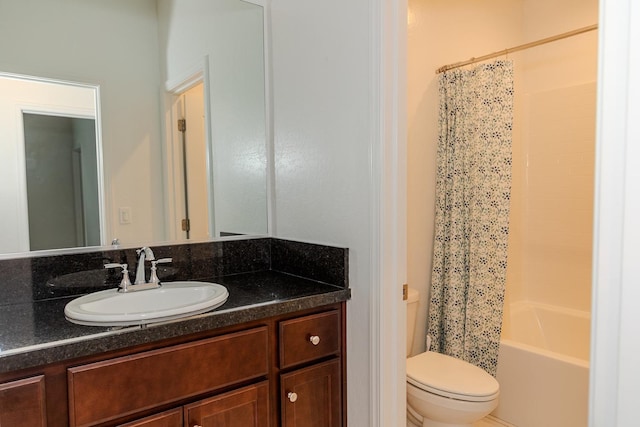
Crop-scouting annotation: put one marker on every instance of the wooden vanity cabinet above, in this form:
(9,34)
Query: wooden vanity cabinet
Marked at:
(172,418)
(246,407)
(22,403)
(311,397)
(111,389)
(311,392)
(237,376)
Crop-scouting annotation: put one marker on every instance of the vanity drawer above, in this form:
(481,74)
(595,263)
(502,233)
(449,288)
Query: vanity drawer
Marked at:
(103,391)
(308,338)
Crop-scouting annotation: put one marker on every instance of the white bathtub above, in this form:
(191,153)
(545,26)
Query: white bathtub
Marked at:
(543,366)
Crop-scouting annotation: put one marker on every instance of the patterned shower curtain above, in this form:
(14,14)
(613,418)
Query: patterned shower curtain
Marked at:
(473,189)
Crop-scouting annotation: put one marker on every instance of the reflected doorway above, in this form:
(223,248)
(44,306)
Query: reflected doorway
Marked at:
(194,200)
(62,181)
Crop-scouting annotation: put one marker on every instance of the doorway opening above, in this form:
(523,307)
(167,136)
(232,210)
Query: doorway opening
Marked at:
(191,194)
(62,181)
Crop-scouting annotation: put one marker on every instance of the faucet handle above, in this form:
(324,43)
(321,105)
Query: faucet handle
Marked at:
(154,269)
(125,282)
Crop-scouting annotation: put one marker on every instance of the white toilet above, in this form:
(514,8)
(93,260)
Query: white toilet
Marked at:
(443,391)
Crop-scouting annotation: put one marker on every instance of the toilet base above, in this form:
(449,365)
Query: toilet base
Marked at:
(413,418)
(436,411)
(431,423)
(416,420)
(412,422)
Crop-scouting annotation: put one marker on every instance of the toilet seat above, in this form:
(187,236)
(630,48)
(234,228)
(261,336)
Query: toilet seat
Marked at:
(450,377)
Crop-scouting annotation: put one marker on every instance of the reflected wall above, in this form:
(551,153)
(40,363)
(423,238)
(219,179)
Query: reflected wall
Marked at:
(133,69)
(77,41)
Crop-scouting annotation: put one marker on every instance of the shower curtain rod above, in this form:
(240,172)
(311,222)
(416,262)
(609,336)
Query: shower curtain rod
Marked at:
(517,48)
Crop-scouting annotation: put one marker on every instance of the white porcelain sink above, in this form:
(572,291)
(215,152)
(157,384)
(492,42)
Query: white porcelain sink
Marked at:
(171,301)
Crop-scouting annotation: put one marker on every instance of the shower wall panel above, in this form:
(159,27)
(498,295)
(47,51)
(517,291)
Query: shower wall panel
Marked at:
(550,254)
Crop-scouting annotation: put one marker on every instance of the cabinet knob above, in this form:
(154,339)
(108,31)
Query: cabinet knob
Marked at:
(197,425)
(292,396)
(314,339)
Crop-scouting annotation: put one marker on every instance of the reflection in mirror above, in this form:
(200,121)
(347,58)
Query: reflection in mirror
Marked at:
(192,165)
(50,163)
(223,51)
(62,181)
(116,46)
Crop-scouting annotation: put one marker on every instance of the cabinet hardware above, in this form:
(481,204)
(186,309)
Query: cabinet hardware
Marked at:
(314,339)
(292,396)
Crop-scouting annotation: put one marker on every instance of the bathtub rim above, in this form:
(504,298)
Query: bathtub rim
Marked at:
(544,352)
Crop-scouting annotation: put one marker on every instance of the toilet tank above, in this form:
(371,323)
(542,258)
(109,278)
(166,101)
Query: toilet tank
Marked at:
(412,313)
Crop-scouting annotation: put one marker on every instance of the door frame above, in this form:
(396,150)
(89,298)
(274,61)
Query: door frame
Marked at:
(194,75)
(389,193)
(614,371)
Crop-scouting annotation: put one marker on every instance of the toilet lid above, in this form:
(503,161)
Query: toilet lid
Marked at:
(450,377)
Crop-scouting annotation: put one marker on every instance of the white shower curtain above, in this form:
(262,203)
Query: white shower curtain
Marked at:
(472,213)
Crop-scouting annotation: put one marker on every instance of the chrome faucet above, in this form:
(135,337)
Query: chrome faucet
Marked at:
(140,283)
(144,253)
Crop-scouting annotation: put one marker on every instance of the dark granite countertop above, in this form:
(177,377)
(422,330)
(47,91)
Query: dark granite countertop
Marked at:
(37,333)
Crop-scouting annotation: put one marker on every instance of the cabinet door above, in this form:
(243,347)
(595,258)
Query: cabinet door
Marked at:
(22,403)
(311,397)
(171,418)
(246,407)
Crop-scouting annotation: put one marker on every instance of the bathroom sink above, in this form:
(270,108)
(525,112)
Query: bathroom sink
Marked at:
(172,300)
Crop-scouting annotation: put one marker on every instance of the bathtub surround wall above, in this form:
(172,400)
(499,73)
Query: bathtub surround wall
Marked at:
(550,244)
(553,159)
(26,280)
(550,253)
(473,189)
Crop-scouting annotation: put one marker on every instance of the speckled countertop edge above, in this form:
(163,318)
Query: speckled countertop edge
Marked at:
(104,339)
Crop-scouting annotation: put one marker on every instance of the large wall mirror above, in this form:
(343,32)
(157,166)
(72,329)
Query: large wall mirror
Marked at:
(179,119)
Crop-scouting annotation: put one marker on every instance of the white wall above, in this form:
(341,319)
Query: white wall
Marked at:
(440,32)
(321,82)
(615,372)
(112,43)
(230,34)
